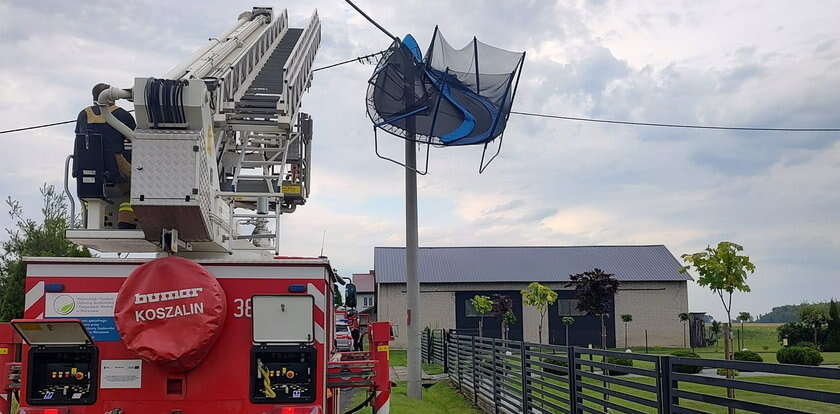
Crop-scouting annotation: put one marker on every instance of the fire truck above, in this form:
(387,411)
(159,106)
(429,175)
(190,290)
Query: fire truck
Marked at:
(211,318)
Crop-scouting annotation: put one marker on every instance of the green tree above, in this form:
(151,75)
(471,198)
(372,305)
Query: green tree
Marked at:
(503,309)
(626,318)
(508,319)
(567,322)
(815,317)
(338,300)
(594,290)
(715,330)
(724,271)
(684,319)
(31,238)
(482,305)
(540,297)
(743,317)
(832,343)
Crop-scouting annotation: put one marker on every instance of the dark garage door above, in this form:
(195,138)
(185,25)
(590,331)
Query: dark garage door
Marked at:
(586,329)
(466,320)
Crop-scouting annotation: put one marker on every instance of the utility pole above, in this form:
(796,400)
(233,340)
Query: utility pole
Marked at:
(412,284)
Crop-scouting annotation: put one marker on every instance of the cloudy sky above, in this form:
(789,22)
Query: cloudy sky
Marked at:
(759,63)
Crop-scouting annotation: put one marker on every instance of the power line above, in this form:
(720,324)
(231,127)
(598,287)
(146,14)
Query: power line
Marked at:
(360,59)
(689,126)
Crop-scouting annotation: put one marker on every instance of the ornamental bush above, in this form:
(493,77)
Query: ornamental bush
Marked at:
(619,361)
(686,369)
(556,363)
(799,355)
(748,356)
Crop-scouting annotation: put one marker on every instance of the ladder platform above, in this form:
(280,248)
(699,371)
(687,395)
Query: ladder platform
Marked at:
(112,241)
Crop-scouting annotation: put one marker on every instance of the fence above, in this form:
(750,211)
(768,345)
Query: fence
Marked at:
(502,376)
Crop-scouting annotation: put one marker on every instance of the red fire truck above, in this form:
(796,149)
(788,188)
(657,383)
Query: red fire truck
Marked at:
(213,319)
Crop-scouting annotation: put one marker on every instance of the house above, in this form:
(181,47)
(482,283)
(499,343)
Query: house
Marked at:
(365,296)
(652,289)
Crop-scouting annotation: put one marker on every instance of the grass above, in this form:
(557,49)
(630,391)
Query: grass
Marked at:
(758,337)
(554,396)
(398,358)
(437,399)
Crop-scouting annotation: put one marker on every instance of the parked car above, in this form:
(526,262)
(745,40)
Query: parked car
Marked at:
(343,337)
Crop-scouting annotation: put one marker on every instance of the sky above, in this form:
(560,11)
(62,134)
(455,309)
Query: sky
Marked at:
(745,63)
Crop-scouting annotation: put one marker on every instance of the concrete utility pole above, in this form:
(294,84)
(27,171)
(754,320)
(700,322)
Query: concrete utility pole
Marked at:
(412,284)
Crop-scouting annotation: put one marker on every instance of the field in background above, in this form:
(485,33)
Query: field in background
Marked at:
(758,337)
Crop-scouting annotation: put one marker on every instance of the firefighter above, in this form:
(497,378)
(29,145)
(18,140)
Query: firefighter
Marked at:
(117,158)
(355,332)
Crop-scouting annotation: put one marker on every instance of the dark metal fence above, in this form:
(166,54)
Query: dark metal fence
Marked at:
(433,349)
(502,376)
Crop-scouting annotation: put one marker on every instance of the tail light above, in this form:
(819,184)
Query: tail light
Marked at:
(45,411)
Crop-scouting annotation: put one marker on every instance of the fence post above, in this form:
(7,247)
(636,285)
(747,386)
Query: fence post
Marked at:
(495,371)
(458,364)
(430,349)
(445,352)
(523,358)
(474,371)
(573,392)
(665,385)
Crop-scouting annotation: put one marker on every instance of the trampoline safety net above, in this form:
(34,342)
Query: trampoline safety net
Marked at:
(449,97)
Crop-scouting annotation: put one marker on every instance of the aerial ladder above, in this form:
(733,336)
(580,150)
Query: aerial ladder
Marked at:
(221,149)
(216,320)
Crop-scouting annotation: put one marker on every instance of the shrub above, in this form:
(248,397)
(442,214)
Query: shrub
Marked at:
(686,369)
(556,362)
(797,332)
(807,344)
(748,356)
(619,361)
(799,355)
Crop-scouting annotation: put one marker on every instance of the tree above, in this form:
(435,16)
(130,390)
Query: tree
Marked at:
(814,317)
(567,322)
(34,239)
(626,318)
(540,297)
(503,309)
(594,290)
(715,330)
(743,317)
(482,305)
(508,319)
(684,319)
(832,343)
(724,271)
(338,300)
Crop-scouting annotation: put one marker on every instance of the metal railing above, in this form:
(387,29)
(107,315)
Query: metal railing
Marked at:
(503,376)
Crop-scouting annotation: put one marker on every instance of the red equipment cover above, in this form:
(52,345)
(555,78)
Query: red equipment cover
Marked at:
(170,312)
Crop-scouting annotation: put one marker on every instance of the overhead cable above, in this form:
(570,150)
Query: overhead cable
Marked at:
(690,126)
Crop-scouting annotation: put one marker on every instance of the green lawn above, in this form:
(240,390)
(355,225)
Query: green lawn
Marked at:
(398,358)
(437,399)
(760,338)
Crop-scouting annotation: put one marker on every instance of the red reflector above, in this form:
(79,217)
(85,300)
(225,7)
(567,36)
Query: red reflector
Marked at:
(297,410)
(51,411)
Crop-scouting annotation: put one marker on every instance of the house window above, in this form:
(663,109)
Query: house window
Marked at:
(368,301)
(568,307)
(470,311)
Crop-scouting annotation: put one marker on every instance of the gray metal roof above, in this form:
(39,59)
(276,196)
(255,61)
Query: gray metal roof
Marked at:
(528,264)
